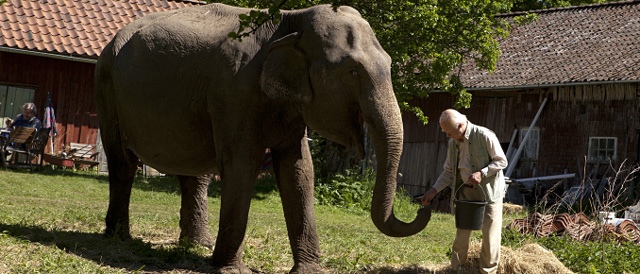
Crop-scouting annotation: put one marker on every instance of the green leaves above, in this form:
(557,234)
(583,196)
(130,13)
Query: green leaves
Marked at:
(255,19)
(350,190)
(428,40)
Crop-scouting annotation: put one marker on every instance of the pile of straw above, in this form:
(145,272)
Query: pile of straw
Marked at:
(508,208)
(530,258)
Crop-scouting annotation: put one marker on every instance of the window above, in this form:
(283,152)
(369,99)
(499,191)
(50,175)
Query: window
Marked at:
(11,101)
(530,150)
(602,149)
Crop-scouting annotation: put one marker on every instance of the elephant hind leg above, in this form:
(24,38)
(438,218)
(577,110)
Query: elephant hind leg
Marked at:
(122,169)
(122,164)
(194,210)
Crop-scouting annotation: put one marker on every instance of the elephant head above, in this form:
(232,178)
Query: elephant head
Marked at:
(340,76)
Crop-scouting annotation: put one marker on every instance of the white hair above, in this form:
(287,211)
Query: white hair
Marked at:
(31,107)
(452,117)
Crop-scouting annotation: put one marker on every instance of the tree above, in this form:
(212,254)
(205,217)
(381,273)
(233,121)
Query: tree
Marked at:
(428,40)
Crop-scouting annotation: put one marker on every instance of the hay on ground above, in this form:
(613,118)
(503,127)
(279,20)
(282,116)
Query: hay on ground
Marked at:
(530,258)
(508,208)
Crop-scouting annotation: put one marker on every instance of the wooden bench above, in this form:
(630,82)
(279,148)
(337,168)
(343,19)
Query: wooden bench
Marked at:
(35,149)
(83,155)
(17,137)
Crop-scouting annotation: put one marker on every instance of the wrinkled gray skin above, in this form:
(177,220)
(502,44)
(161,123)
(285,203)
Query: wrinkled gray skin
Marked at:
(174,91)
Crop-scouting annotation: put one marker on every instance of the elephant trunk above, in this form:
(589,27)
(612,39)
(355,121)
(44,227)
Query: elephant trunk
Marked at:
(385,123)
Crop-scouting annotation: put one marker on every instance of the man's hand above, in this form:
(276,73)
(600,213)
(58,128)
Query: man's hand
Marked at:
(427,197)
(475,178)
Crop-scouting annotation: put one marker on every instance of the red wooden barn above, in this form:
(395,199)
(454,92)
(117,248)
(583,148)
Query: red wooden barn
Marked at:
(52,47)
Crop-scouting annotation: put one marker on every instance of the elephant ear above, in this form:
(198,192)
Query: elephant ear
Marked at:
(285,73)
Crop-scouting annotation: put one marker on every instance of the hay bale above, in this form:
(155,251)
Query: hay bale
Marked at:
(508,208)
(530,259)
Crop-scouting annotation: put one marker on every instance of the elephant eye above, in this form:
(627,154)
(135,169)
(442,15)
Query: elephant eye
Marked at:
(354,73)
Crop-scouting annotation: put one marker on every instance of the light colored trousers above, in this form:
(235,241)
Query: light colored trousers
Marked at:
(491,236)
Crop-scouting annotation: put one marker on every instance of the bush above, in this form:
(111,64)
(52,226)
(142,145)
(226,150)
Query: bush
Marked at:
(351,190)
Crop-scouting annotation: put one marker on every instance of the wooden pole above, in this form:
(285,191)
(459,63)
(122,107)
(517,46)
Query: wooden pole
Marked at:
(510,148)
(514,162)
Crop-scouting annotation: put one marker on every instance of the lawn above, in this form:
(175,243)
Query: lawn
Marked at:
(52,222)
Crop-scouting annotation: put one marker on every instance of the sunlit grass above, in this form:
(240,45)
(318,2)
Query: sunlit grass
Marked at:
(52,222)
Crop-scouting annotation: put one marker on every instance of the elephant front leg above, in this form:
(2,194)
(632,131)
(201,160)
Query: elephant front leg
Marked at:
(194,210)
(294,171)
(238,181)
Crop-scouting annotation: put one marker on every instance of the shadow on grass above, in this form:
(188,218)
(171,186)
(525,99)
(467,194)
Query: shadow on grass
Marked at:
(132,255)
(136,255)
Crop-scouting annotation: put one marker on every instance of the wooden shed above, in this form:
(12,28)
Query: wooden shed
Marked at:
(52,47)
(583,62)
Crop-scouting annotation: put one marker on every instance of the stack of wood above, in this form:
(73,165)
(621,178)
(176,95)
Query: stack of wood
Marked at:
(577,226)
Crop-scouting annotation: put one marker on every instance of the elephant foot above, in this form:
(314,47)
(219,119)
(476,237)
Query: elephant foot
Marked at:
(306,268)
(202,239)
(234,269)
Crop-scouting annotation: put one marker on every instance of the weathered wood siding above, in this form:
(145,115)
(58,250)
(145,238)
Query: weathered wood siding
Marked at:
(71,87)
(571,115)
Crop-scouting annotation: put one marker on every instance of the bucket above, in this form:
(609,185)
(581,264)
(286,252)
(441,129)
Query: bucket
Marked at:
(469,214)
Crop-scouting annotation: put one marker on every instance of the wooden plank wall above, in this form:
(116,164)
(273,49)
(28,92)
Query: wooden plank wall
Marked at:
(71,87)
(580,112)
(571,115)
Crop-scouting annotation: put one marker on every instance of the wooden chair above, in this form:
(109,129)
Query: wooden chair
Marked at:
(37,147)
(83,155)
(17,137)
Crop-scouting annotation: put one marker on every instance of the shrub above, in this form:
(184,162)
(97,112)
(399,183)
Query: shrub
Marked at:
(351,190)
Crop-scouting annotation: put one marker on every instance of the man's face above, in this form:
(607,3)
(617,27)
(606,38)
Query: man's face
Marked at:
(456,133)
(27,113)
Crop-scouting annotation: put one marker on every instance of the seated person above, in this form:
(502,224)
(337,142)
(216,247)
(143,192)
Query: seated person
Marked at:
(26,119)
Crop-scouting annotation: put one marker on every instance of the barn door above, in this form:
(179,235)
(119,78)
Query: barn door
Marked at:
(11,101)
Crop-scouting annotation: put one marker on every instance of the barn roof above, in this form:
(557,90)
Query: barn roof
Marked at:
(71,28)
(574,45)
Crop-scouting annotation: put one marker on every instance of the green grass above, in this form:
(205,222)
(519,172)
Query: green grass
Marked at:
(52,222)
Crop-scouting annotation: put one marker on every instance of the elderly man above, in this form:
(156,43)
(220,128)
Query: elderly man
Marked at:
(27,118)
(474,165)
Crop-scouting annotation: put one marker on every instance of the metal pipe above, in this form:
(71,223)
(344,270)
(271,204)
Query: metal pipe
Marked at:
(544,178)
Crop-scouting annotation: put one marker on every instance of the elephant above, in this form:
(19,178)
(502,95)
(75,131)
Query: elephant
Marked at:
(174,91)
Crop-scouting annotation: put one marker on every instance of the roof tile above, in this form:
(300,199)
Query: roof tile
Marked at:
(76,27)
(576,44)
